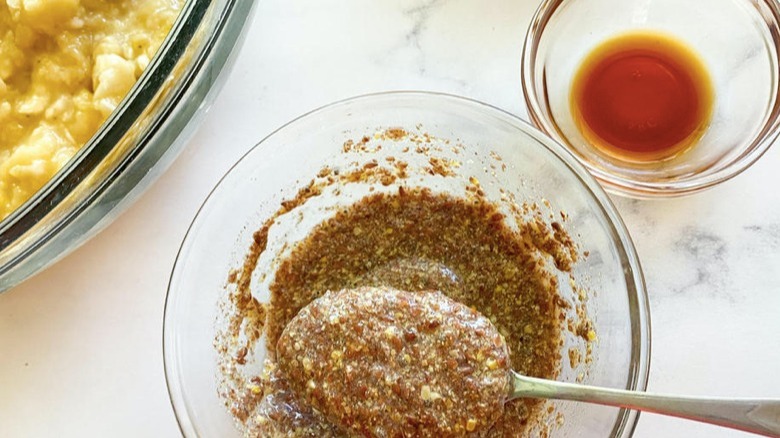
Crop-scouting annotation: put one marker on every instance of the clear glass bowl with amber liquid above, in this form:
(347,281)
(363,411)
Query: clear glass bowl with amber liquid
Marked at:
(656,98)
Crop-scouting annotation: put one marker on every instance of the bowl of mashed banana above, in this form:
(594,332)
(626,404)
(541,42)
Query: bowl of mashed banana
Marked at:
(96,99)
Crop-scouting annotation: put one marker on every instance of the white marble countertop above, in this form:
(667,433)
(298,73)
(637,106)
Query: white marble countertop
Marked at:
(80,344)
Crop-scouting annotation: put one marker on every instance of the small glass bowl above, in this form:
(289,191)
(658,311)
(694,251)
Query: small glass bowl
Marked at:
(537,170)
(736,39)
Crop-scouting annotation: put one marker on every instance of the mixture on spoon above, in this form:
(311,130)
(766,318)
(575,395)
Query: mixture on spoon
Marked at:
(382,362)
(414,240)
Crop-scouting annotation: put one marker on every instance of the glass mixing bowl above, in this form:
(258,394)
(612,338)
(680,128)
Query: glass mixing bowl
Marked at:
(133,147)
(537,169)
(737,40)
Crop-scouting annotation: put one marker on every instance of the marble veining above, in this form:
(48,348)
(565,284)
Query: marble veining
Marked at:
(706,254)
(419,15)
(766,235)
(87,331)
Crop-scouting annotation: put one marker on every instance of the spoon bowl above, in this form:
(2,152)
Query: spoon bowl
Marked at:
(379,361)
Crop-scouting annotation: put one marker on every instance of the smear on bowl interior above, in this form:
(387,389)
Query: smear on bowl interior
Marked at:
(500,257)
(64,67)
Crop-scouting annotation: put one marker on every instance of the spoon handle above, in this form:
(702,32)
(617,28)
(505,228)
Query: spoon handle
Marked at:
(755,416)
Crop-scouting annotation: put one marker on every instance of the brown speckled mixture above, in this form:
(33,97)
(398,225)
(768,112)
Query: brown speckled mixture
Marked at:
(416,240)
(384,362)
(410,239)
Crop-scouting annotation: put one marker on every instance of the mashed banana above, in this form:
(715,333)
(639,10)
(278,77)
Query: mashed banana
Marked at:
(64,66)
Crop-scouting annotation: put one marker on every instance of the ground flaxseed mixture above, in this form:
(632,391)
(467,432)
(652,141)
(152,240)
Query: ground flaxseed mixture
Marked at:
(385,362)
(417,240)
(411,239)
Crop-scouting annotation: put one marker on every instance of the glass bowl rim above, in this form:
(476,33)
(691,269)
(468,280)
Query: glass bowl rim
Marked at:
(639,311)
(649,190)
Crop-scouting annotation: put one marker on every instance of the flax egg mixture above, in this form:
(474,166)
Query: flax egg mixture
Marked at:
(385,362)
(457,251)
(64,67)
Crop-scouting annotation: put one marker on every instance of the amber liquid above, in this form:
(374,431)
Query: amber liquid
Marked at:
(642,97)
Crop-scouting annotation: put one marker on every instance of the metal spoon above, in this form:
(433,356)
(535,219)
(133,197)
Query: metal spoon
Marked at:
(760,416)
(329,324)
